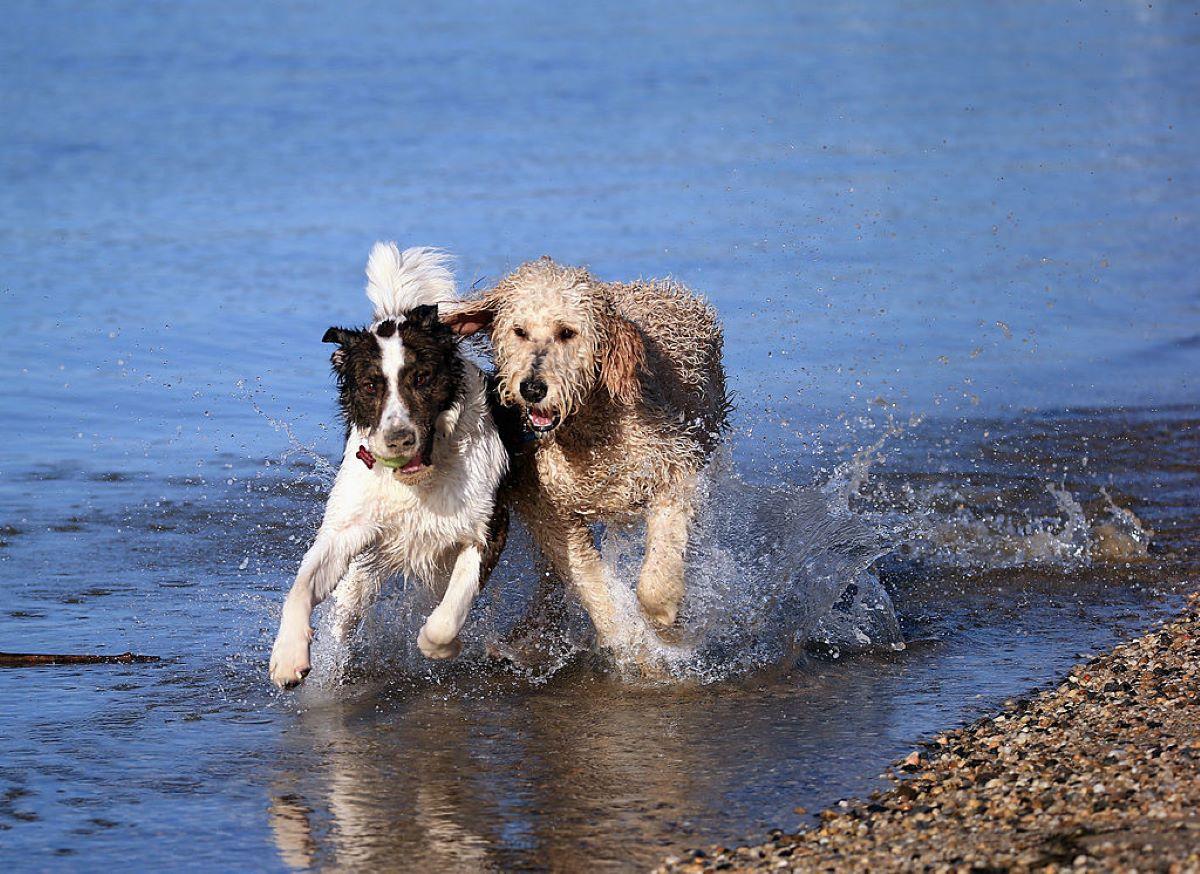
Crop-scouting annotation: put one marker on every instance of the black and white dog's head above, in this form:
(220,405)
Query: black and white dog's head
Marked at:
(396,380)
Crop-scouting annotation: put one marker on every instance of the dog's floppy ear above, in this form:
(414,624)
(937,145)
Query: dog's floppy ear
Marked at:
(343,337)
(624,356)
(470,317)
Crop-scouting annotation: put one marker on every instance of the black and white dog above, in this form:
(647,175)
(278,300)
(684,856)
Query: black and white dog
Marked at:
(417,489)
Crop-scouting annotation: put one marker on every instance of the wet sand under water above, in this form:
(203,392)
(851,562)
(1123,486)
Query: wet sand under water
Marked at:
(468,766)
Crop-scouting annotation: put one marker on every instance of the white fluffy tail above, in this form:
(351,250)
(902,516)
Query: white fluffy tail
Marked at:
(398,281)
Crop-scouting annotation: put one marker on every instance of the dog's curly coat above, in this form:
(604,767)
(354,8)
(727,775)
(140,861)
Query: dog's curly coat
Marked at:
(625,382)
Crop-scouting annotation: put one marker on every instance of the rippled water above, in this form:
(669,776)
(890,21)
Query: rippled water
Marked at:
(954,251)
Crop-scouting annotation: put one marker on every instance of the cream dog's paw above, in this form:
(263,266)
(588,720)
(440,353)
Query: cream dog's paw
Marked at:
(438,639)
(433,650)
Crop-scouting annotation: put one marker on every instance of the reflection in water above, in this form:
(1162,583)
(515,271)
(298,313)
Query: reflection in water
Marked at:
(463,781)
(481,773)
(383,808)
(291,825)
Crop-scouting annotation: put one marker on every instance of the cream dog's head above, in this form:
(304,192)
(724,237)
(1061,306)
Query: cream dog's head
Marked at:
(558,339)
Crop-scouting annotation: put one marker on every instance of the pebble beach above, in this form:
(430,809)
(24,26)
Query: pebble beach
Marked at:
(1101,773)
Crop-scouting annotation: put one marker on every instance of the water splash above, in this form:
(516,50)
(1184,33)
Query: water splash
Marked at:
(1119,535)
(772,568)
(321,468)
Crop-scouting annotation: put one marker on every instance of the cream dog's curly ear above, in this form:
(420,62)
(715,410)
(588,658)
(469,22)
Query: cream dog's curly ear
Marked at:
(624,356)
(469,316)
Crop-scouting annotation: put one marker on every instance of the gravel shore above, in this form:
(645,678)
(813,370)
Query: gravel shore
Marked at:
(1102,773)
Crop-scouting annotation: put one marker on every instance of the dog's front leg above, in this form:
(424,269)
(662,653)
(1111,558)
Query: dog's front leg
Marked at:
(660,584)
(323,565)
(569,546)
(438,638)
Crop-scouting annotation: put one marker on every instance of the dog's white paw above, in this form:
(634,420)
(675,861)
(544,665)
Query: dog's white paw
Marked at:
(438,639)
(289,660)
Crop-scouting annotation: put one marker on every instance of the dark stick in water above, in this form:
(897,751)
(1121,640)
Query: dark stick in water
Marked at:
(33,659)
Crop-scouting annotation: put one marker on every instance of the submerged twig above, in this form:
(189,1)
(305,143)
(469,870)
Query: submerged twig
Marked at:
(33,659)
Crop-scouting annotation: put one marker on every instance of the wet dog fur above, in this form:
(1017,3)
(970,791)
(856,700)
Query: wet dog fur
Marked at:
(623,385)
(416,492)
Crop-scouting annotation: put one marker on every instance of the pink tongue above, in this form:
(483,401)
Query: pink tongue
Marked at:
(413,465)
(540,420)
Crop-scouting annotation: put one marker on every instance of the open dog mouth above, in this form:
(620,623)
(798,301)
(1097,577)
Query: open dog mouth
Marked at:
(542,420)
(402,464)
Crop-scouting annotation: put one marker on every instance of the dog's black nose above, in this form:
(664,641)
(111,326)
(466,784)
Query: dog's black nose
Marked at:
(400,440)
(533,390)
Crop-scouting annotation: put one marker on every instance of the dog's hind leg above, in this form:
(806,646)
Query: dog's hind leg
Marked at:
(533,641)
(354,596)
(660,584)
(438,638)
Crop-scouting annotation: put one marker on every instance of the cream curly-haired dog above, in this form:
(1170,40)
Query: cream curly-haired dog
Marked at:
(623,386)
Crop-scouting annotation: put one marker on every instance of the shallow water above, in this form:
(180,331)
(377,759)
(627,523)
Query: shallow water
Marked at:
(954,251)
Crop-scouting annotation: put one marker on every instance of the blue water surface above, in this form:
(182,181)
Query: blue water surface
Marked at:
(965,212)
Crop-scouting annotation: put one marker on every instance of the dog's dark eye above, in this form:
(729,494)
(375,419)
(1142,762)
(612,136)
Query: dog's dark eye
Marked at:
(520,332)
(566,334)
(420,378)
(371,386)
